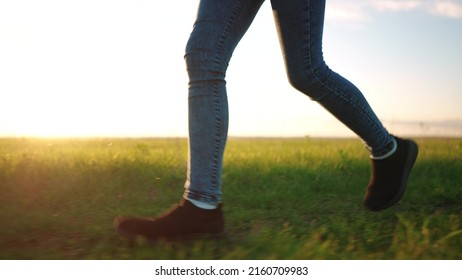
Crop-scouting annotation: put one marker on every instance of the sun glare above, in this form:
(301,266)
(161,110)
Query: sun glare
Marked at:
(113,75)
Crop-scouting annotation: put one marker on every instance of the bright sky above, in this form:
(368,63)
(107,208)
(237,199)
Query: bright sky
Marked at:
(116,68)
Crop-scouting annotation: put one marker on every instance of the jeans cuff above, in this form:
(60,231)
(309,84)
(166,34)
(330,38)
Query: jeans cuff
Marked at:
(386,152)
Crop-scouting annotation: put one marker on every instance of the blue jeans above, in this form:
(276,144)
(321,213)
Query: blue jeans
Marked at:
(218,29)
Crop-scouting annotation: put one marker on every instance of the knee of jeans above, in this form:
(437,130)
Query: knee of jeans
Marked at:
(204,67)
(309,82)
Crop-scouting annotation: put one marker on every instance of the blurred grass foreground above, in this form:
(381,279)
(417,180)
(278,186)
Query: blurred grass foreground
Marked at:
(283,199)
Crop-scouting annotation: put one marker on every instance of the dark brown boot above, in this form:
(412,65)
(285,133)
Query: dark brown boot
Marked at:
(184,220)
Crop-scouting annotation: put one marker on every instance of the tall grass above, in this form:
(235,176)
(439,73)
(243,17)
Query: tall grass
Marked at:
(283,199)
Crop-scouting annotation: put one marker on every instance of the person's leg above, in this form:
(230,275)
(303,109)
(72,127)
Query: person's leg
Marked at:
(219,27)
(300,27)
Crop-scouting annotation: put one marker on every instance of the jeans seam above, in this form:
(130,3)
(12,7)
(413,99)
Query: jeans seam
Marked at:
(224,37)
(218,126)
(217,97)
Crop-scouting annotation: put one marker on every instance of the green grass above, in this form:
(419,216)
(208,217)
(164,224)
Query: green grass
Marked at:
(283,199)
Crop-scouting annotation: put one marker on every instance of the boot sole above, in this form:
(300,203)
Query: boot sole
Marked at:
(176,238)
(411,159)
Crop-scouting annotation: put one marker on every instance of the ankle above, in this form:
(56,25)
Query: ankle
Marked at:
(388,151)
(202,205)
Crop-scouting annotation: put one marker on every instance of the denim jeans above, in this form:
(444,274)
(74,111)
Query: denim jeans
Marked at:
(219,26)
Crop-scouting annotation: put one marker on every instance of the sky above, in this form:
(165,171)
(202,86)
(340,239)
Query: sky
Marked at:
(115,68)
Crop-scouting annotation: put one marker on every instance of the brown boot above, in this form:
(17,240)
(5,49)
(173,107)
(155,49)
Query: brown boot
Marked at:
(183,220)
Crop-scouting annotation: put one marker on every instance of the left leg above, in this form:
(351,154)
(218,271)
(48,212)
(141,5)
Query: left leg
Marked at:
(219,26)
(300,26)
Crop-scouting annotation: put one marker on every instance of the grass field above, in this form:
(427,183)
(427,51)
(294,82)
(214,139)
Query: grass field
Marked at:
(283,199)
